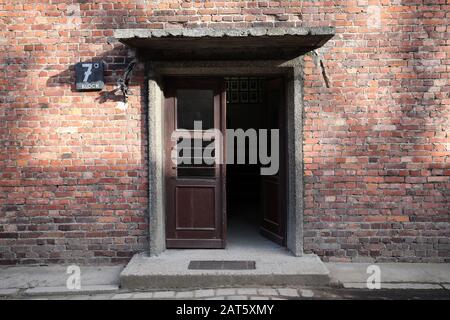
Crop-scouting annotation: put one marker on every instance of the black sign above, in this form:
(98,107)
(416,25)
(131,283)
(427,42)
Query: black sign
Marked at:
(89,76)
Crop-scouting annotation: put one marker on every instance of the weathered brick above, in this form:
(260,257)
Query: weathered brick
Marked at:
(376,139)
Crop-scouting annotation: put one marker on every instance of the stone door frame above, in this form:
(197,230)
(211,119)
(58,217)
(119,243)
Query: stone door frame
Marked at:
(293,73)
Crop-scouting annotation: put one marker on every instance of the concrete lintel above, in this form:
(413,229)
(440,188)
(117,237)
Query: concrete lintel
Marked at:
(227,44)
(122,34)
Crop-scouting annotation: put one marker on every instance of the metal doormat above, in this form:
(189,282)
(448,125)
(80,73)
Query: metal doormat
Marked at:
(222,265)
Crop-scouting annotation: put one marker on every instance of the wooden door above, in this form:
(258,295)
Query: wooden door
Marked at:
(273,188)
(195,192)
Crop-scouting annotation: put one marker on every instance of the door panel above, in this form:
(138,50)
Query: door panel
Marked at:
(187,207)
(273,188)
(195,105)
(195,209)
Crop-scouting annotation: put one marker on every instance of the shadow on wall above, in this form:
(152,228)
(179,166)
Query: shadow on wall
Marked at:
(114,71)
(413,128)
(402,119)
(87,27)
(73,173)
(95,23)
(422,123)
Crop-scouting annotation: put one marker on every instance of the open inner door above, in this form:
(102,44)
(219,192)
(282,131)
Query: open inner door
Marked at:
(273,187)
(195,180)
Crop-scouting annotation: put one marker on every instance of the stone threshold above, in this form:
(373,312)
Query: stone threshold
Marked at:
(273,268)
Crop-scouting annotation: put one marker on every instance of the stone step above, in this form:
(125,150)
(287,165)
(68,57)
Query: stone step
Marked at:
(170,271)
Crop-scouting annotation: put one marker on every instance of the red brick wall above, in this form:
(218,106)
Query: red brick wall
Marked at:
(73,165)
(376,143)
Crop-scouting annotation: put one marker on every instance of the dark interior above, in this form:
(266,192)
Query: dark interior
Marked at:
(246,108)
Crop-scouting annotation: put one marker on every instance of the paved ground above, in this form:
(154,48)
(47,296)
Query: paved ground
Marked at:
(399,281)
(393,275)
(24,277)
(254,294)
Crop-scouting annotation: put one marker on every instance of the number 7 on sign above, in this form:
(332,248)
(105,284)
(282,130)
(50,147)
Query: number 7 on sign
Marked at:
(88,72)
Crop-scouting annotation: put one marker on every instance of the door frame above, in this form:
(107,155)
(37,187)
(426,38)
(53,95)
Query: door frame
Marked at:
(293,73)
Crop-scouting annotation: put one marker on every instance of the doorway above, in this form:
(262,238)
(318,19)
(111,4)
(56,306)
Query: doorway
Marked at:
(254,210)
(206,202)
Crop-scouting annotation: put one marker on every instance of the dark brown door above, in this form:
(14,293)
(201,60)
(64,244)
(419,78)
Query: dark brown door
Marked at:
(273,188)
(195,187)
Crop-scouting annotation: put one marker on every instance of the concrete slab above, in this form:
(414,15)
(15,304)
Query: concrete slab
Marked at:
(288,292)
(8,292)
(122,296)
(397,286)
(98,289)
(202,293)
(24,277)
(143,295)
(247,291)
(275,267)
(267,292)
(431,273)
(226,291)
(412,286)
(164,295)
(236,298)
(306,293)
(184,295)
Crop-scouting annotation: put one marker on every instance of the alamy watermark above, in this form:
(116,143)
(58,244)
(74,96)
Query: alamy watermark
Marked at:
(373,17)
(191,149)
(374,280)
(74,280)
